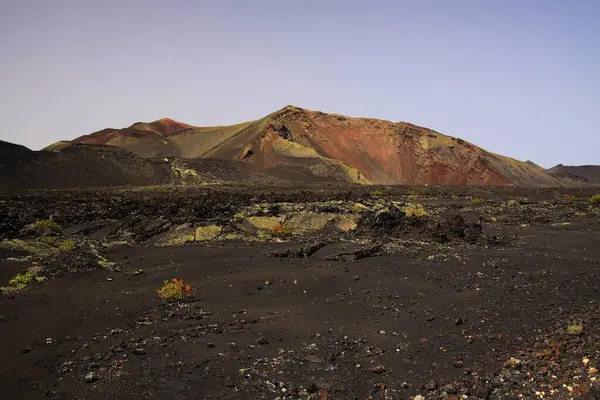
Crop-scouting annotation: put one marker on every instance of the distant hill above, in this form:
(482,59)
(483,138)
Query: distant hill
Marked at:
(581,173)
(295,143)
(92,165)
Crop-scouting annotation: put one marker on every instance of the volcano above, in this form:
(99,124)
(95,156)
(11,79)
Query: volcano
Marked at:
(295,143)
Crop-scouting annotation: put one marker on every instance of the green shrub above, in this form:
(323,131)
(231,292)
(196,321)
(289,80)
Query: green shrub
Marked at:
(476,200)
(575,328)
(570,198)
(378,193)
(67,245)
(47,227)
(415,210)
(48,239)
(595,199)
(23,279)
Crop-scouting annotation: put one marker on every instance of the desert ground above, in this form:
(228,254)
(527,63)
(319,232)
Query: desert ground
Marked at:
(316,292)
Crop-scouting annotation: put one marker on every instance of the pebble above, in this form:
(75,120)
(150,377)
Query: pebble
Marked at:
(482,391)
(431,385)
(138,272)
(262,341)
(378,369)
(210,345)
(513,362)
(91,377)
(138,352)
(458,321)
(496,382)
(516,378)
(109,278)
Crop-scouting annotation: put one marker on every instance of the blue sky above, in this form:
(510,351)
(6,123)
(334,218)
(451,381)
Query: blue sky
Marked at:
(519,78)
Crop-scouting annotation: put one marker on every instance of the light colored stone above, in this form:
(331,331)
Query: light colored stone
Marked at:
(209,232)
(255,225)
(178,236)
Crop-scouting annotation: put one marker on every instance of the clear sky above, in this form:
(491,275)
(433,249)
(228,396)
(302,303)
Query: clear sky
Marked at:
(517,77)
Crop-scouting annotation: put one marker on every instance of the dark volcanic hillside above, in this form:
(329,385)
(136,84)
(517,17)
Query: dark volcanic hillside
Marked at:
(88,165)
(582,173)
(298,143)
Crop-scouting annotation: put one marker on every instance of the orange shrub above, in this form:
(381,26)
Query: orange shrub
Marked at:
(175,289)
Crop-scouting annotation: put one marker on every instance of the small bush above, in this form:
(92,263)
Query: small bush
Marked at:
(378,193)
(49,239)
(595,199)
(575,328)
(22,280)
(415,210)
(47,227)
(67,245)
(281,230)
(176,289)
(569,198)
(476,200)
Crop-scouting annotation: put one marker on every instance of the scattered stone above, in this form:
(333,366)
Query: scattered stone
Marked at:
(91,377)
(431,386)
(138,352)
(210,345)
(482,390)
(496,382)
(138,272)
(458,364)
(109,278)
(516,378)
(262,341)
(513,362)
(312,388)
(378,369)
(458,321)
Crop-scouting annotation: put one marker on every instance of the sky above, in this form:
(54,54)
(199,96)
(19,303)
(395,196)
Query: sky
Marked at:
(517,77)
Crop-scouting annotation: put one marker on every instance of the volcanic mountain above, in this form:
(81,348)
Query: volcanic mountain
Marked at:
(579,173)
(295,143)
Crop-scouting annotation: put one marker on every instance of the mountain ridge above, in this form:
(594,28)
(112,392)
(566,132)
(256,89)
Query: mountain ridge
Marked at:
(294,141)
